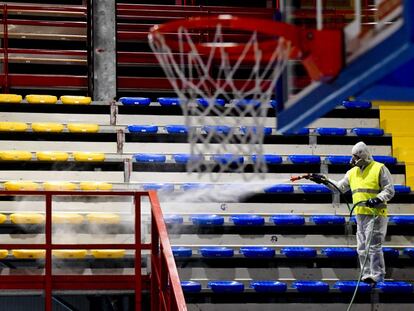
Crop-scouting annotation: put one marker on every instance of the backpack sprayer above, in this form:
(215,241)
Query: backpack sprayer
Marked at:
(326,181)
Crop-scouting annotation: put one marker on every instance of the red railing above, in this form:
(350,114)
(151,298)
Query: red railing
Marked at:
(166,292)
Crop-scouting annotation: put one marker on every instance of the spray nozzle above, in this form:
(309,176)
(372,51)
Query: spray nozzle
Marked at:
(295,178)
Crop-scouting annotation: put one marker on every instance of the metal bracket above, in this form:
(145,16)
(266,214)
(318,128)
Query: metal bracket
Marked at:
(113,113)
(127,170)
(120,140)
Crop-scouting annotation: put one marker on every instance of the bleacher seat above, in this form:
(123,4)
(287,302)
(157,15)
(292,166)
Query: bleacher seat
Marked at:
(390,252)
(402,189)
(28,253)
(257,252)
(190,287)
(169,101)
(253,130)
(50,127)
(402,219)
(298,252)
(409,251)
(158,187)
(247,220)
(205,103)
(227,159)
(302,131)
(13,126)
(21,185)
(27,218)
(349,286)
(176,129)
(3,218)
(356,104)
(184,158)
(338,159)
(247,102)
(82,156)
(226,286)
(41,99)
(103,218)
(279,189)
(328,219)
(207,220)
(75,100)
(149,157)
(273,103)
(339,252)
(268,158)
(216,251)
(82,127)
(143,129)
(365,131)
(195,186)
(216,129)
(108,253)
(312,188)
(283,220)
(182,251)
(67,218)
(304,159)
(52,156)
(70,253)
(268,286)
(59,186)
(15,155)
(95,185)
(385,159)
(310,286)
(173,219)
(135,101)
(4,253)
(10,98)
(331,131)
(395,287)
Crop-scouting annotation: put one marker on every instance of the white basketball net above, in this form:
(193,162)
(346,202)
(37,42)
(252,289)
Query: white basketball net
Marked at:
(196,76)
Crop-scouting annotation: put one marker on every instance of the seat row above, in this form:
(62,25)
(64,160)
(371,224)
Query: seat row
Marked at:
(80,156)
(49,127)
(45,99)
(63,254)
(61,218)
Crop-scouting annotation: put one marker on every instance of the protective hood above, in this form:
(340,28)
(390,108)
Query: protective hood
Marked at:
(361,156)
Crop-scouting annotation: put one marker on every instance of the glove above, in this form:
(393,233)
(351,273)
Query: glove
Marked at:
(374,202)
(318,178)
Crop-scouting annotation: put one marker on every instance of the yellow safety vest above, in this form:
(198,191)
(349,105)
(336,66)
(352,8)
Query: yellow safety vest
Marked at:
(364,186)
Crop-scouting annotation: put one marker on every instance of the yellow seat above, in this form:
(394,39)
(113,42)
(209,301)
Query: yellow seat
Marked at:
(67,218)
(75,100)
(27,218)
(89,156)
(15,155)
(59,185)
(3,218)
(10,98)
(3,253)
(41,99)
(52,156)
(69,253)
(95,185)
(103,218)
(13,126)
(47,127)
(21,185)
(28,253)
(108,253)
(83,127)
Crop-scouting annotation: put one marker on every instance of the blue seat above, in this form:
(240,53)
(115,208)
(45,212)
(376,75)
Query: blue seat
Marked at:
(385,159)
(268,286)
(279,189)
(253,130)
(207,220)
(247,220)
(409,251)
(185,158)
(176,129)
(216,129)
(182,252)
(356,104)
(298,252)
(402,189)
(331,131)
(390,252)
(159,187)
(353,219)
(365,131)
(195,186)
(142,128)
(257,252)
(338,159)
(149,157)
(204,102)
(395,287)
(273,104)
(402,220)
(268,158)
(190,287)
(169,101)
(226,286)
(216,252)
(283,220)
(349,286)
(228,159)
(311,286)
(304,159)
(302,131)
(339,252)
(135,101)
(328,219)
(248,102)
(311,188)
(173,219)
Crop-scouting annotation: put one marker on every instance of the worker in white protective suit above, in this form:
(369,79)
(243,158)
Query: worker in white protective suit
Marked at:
(369,181)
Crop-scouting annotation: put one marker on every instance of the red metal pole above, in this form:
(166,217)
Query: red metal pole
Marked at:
(48,258)
(5,47)
(137,199)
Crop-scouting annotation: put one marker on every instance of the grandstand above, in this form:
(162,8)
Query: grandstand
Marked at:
(98,211)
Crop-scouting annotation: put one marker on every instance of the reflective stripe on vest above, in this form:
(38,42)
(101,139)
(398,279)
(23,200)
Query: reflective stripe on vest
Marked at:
(365,185)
